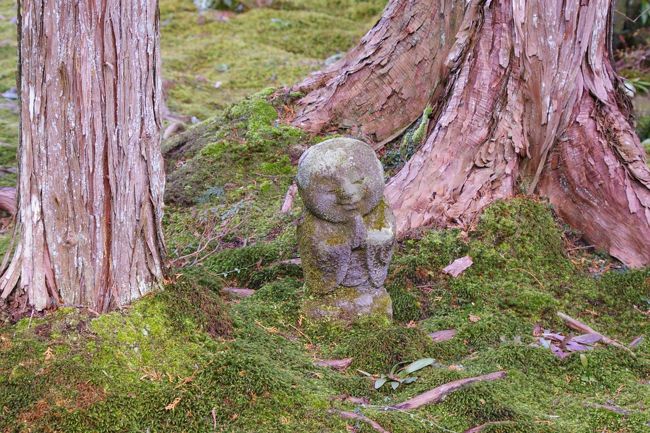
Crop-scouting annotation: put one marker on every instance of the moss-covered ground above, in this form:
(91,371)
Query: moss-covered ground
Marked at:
(188,359)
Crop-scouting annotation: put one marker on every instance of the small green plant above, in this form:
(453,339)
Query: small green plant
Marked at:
(638,85)
(645,12)
(400,374)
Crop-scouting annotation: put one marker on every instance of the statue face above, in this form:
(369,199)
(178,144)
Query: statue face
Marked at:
(340,179)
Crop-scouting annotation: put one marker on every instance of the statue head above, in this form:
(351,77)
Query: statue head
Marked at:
(340,179)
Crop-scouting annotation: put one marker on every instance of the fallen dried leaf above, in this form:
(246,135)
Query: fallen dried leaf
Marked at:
(173,404)
(637,341)
(336,364)
(49,354)
(445,335)
(458,266)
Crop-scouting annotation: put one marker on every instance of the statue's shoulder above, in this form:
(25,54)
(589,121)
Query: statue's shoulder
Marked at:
(317,231)
(380,217)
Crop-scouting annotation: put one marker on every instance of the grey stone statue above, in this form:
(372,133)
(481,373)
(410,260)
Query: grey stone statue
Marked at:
(347,234)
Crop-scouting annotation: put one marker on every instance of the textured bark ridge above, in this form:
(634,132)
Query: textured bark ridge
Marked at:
(91,173)
(524,99)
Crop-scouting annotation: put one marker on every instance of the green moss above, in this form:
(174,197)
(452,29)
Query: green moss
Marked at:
(377,349)
(248,52)
(643,127)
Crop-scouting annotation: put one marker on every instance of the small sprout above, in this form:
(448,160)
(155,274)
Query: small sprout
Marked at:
(399,375)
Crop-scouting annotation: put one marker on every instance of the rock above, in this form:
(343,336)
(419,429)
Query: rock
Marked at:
(173,129)
(333,59)
(237,292)
(11,94)
(347,234)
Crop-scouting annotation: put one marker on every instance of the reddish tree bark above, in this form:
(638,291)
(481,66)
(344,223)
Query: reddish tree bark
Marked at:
(524,98)
(91,175)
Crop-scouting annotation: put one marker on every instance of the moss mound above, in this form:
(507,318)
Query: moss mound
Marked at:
(185,360)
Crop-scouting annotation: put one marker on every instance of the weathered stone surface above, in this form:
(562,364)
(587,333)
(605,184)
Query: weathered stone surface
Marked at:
(347,234)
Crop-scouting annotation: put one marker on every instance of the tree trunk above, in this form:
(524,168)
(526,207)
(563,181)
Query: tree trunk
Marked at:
(524,98)
(91,174)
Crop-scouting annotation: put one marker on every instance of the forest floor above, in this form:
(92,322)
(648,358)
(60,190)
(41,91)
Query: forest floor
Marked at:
(191,359)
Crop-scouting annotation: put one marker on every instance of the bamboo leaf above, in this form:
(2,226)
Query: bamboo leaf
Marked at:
(418,365)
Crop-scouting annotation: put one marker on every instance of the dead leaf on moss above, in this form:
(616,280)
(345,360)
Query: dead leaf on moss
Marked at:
(173,404)
(49,354)
(458,266)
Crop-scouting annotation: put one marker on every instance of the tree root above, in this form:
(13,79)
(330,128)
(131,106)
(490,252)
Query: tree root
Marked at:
(359,417)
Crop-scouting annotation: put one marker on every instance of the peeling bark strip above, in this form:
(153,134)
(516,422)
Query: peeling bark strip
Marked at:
(91,173)
(524,97)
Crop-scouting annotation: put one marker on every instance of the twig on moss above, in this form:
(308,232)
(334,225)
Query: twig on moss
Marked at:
(214,418)
(359,417)
(437,394)
(579,326)
(610,408)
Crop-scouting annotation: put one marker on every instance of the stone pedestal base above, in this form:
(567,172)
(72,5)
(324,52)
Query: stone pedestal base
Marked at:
(347,304)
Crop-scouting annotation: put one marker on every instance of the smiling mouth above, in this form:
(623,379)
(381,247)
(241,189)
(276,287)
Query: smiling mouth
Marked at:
(350,206)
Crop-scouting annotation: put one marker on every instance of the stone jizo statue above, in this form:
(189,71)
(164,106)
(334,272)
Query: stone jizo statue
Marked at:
(347,235)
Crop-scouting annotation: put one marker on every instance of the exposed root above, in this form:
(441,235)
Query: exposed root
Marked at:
(523,97)
(359,417)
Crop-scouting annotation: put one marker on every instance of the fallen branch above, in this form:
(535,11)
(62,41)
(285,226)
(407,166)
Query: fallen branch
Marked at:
(610,408)
(439,393)
(579,326)
(479,428)
(359,417)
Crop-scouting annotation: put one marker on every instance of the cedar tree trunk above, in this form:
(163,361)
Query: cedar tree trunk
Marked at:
(91,174)
(524,98)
